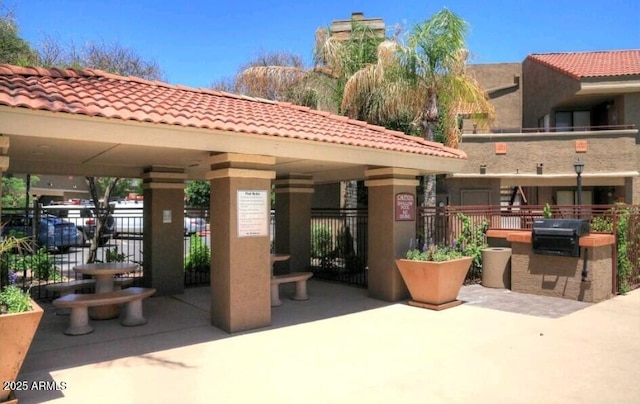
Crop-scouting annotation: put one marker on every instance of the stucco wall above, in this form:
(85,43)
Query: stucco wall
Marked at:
(562,276)
(502,81)
(542,89)
(613,151)
(457,186)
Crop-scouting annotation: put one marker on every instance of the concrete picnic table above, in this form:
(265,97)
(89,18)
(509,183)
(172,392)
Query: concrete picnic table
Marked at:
(104,273)
(276,258)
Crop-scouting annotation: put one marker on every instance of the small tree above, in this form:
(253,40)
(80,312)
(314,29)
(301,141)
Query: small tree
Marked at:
(100,196)
(14,191)
(198,193)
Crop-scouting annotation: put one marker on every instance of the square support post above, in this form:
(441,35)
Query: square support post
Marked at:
(163,227)
(240,242)
(389,230)
(293,218)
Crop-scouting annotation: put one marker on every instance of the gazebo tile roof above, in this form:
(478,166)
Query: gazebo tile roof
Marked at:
(96,93)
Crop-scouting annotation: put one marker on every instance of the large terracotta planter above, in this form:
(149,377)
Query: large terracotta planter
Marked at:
(434,285)
(16,333)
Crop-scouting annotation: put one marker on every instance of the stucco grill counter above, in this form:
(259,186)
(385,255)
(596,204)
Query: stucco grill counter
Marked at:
(587,277)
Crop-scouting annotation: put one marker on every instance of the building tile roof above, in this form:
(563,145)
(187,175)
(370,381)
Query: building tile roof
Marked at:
(97,93)
(592,64)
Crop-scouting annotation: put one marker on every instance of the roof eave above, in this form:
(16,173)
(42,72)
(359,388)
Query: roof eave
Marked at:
(603,87)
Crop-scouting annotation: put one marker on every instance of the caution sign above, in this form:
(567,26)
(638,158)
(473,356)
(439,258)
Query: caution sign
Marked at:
(405,206)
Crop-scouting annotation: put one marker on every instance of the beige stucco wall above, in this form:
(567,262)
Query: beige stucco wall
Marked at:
(502,82)
(562,276)
(457,186)
(613,151)
(542,89)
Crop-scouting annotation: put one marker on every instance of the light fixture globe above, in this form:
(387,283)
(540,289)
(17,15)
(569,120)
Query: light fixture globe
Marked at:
(578,166)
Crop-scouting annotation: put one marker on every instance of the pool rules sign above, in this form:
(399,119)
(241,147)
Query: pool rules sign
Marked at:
(253,213)
(405,207)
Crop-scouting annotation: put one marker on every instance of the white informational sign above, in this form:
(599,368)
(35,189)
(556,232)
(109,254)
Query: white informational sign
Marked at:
(253,213)
(166,216)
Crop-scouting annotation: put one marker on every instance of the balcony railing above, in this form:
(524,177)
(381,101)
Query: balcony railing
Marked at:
(551,129)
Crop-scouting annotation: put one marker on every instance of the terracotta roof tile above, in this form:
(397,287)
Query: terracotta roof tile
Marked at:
(97,93)
(592,64)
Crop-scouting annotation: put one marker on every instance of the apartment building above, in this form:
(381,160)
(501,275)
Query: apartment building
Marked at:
(552,111)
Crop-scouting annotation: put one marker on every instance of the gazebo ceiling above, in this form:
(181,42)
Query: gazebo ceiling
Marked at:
(88,122)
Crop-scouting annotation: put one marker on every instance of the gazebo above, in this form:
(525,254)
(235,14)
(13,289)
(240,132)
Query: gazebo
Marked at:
(92,123)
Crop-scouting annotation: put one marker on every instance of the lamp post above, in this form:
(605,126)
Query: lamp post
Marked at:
(579,167)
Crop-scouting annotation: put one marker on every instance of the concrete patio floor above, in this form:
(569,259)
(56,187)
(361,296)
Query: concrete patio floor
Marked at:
(342,347)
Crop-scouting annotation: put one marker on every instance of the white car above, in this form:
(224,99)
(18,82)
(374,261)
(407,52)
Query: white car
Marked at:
(193,225)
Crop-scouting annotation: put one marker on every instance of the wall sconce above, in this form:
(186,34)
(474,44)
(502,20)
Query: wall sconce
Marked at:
(539,168)
(483,168)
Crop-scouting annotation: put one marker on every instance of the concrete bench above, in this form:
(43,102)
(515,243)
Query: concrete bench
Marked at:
(299,278)
(79,305)
(119,283)
(64,288)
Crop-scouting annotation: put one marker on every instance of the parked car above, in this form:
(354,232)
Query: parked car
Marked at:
(83,216)
(128,217)
(193,225)
(52,232)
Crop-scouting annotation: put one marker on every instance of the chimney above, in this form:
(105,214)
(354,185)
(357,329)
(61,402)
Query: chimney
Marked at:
(357,16)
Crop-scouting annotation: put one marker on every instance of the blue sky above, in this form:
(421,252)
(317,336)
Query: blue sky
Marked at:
(198,42)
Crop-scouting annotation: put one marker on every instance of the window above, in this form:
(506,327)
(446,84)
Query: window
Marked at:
(568,121)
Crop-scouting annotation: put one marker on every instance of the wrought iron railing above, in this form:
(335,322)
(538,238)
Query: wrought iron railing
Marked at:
(339,245)
(338,242)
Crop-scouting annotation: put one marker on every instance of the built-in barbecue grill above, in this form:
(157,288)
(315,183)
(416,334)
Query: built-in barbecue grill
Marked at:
(558,236)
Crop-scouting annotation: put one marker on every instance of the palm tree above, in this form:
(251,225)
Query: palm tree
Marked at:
(422,86)
(279,76)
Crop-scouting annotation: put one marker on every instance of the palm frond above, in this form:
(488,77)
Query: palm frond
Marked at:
(268,82)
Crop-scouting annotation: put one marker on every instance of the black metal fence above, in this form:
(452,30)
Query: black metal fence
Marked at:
(197,248)
(339,245)
(53,253)
(338,242)
(444,226)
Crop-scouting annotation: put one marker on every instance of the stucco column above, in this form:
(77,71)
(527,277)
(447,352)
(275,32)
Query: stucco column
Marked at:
(4,165)
(240,242)
(4,159)
(163,227)
(293,222)
(632,190)
(389,229)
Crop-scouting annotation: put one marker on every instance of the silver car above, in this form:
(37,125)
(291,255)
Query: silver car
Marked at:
(193,225)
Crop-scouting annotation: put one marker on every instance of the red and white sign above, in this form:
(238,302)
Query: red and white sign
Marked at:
(405,206)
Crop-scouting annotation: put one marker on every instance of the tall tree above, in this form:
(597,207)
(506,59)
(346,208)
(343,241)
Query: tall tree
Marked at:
(110,57)
(113,58)
(13,49)
(424,79)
